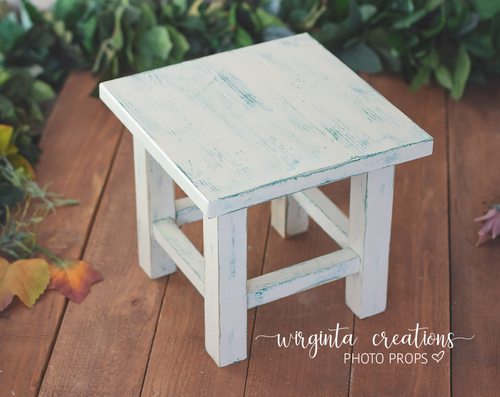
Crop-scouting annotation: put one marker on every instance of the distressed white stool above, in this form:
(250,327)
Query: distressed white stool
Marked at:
(268,122)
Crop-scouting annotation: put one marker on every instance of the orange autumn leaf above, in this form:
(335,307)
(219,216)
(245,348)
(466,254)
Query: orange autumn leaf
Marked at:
(73,279)
(26,278)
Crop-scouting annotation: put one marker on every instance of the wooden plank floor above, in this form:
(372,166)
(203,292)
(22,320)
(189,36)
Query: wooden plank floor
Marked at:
(137,337)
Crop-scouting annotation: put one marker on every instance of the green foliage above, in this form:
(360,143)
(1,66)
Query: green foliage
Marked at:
(451,41)
(20,182)
(19,231)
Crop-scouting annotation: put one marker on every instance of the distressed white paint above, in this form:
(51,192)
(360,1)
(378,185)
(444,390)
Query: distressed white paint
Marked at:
(225,249)
(247,126)
(287,217)
(186,211)
(300,277)
(182,251)
(154,191)
(370,215)
(325,213)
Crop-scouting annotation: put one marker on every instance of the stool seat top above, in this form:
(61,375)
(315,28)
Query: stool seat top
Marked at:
(246,126)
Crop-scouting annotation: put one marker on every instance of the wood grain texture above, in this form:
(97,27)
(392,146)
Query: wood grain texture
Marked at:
(302,276)
(182,251)
(418,289)
(370,215)
(179,364)
(78,145)
(103,345)
(290,371)
(271,119)
(474,125)
(155,199)
(225,253)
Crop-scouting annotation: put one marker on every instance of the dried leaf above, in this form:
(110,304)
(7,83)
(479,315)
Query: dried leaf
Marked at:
(26,278)
(18,161)
(73,279)
(5,136)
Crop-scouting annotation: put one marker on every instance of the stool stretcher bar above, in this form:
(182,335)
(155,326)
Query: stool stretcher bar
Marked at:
(326,214)
(186,211)
(268,287)
(182,251)
(302,276)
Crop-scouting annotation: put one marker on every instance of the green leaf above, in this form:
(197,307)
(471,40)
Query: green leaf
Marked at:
(339,9)
(156,41)
(10,34)
(248,15)
(32,11)
(180,7)
(361,58)
(180,45)
(272,7)
(298,15)
(461,73)
(267,19)
(408,21)
(479,44)
(69,11)
(405,6)
(110,46)
(329,35)
(354,20)
(147,20)
(437,27)
(129,37)
(242,38)
(431,59)
(192,23)
(367,11)
(131,14)
(41,91)
(116,39)
(421,78)
(390,61)
(35,113)
(25,17)
(6,108)
(470,24)
(486,8)
(431,5)
(4,76)
(89,27)
(444,77)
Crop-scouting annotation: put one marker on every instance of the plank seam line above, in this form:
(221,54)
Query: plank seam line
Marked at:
(82,253)
(352,352)
(447,128)
(154,336)
(255,315)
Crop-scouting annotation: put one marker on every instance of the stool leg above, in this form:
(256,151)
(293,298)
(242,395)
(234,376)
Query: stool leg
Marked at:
(288,217)
(155,199)
(225,251)
(370,215)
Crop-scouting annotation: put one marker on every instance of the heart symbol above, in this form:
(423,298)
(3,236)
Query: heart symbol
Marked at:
(438,356)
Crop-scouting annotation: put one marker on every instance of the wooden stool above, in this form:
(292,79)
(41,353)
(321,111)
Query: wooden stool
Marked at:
(268,122)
